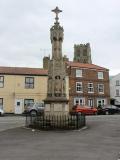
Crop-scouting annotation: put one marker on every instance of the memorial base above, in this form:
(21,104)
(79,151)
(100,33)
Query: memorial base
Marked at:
(56,106)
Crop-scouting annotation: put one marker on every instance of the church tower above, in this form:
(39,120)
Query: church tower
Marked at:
(82,53)
(56,95)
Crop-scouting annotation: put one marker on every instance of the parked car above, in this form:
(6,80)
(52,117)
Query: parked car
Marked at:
(108,109)
(86,110)
(1,111)
(35,108)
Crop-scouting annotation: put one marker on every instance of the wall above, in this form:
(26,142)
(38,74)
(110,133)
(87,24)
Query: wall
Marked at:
(14,88)
(89,75)
(114,87)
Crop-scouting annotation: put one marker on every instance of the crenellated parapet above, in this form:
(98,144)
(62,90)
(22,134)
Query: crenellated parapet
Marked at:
(82,53)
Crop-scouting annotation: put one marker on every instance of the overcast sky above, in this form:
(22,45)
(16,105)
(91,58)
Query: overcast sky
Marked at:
(25,30)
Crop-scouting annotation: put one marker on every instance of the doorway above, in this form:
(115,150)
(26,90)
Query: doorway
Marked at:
(101,102)
(18,106)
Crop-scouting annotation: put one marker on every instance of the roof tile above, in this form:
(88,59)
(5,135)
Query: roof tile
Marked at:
(22,71)
(85,65)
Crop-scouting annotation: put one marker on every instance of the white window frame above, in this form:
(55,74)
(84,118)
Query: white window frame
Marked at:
(101,101)
(99,88)
(78,72)
(79,87)
(90,88)
(90,102)
(79,100)
(100,75)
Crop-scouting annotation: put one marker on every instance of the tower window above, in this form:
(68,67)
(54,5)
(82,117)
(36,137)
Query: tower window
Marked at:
(57,77)
(84,52)
(54,38)
(84,61)
(60,39)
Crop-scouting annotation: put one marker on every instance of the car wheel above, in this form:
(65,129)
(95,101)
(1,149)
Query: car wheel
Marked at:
(33,113)
(107,113)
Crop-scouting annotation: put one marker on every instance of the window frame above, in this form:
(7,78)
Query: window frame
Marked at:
(28,84)
(79,72)
(90,101)
(1,104)
(81,101)
(117,82)
(80,87)
(2,82)
(100,88)
(117,93)
(100,75)
(101,101)
(89,87)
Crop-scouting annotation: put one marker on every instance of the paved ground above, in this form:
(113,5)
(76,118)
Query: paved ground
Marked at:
(9,122)
(100,141)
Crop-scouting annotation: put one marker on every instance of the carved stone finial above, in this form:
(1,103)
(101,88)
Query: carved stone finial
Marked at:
(56,11)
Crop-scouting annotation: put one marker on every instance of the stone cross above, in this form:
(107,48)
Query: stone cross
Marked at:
(56,11)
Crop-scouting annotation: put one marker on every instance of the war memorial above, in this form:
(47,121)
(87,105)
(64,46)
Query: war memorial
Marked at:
(56,113)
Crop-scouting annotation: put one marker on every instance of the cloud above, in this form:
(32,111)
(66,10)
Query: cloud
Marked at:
(25,30)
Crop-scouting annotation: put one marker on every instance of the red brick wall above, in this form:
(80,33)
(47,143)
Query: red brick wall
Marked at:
(88,75)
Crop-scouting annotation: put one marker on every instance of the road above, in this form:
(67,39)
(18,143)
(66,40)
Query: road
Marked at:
(9,122)
(99,141)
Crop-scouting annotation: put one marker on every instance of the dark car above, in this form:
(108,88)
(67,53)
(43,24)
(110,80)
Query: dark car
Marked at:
(108,109)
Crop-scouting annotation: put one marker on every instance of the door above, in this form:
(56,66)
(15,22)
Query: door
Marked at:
(101,102)
(90,103)
(18,106)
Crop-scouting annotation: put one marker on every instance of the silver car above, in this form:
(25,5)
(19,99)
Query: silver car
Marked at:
(35,108)
(1,111)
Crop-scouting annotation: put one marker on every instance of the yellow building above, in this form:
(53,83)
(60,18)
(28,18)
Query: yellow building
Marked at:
(19,86)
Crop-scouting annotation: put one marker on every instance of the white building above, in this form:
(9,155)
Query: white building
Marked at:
(115,88)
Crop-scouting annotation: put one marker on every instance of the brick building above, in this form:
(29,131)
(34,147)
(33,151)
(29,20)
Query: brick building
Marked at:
(88,84)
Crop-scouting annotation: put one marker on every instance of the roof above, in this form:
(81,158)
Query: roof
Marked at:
(86,65)
(22,71)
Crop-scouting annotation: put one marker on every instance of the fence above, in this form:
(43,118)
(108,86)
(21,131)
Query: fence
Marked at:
(53,122)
